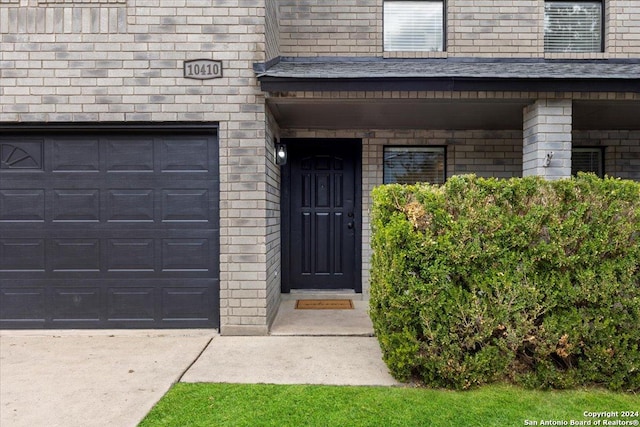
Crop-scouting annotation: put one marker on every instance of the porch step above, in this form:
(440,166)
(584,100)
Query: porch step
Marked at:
(352,322)
(296,294)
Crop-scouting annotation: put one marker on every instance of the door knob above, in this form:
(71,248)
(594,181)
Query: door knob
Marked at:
(350,225)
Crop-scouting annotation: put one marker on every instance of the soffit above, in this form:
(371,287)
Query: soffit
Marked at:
(441,114)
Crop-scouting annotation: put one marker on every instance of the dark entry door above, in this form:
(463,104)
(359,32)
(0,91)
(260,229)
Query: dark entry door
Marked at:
(321,222)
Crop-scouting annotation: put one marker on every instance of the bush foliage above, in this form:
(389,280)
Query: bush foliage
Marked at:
(525,280)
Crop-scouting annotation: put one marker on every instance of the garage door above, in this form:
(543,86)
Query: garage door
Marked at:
(109,229)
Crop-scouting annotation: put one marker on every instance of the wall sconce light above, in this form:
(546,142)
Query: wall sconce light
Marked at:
(547,159)
(281,154)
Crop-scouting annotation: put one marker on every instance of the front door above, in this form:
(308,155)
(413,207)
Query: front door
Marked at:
(321,213)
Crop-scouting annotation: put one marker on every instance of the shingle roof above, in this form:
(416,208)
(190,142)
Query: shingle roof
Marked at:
(624,74)
(357,69)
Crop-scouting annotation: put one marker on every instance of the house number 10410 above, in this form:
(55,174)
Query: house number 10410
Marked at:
(202,69)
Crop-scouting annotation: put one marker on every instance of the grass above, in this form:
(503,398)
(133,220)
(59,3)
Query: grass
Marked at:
(206,404)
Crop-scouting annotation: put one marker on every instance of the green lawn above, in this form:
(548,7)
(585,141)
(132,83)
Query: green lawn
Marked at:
(299,405)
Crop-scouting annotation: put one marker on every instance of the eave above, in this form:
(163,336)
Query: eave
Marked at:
(331,74)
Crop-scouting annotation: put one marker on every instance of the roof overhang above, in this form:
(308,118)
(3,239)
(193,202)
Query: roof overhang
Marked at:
(375,74)
(455,84)
(523,77)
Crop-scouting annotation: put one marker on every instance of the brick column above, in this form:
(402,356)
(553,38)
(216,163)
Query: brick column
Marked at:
(547,139)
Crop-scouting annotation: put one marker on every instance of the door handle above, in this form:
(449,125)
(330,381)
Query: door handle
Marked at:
(350,224)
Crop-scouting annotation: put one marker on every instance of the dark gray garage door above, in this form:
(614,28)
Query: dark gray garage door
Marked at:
(109,229)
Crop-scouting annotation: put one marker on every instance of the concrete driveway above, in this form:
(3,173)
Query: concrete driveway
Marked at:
(90,378)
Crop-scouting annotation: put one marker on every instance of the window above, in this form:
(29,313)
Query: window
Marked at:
(587,160)
(408,165)
(573,26)
(414,25)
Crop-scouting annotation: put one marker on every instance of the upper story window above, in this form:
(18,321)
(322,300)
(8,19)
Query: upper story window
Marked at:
(573,26)
(414,25)
(410,164)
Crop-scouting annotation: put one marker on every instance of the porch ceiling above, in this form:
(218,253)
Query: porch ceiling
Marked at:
(606,115)
(396,114)
(298,113)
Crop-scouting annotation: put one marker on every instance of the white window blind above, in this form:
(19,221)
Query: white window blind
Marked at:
(573,26)
(413,26)
(586,160)
(408,165)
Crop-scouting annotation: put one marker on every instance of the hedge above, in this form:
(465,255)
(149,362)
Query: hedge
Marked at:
(523,280)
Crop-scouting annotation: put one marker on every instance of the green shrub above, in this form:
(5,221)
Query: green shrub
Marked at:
(525,280)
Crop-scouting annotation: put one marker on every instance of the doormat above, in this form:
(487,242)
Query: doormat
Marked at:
(324,304)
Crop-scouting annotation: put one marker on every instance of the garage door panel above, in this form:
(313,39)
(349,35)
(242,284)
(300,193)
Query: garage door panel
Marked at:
(124,205)
(185,255)
(133,255)
(145,303)
(65,230)
(127,154)
(193,254)
(184,304)
(23,304)
(137,304)
(76,205)
(77,304)
(24,154)
(185,205)
(111,231)
(174,204)
(74,255)
(20,255)
(23,205)
(178,155)
(75,154)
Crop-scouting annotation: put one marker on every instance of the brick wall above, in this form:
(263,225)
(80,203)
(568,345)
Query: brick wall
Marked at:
(124,62)
(68,61)
(474,28)
(503,28)
(273,285)
(547,132)
(622,150)
(330,27)
(486,153)
(623,28)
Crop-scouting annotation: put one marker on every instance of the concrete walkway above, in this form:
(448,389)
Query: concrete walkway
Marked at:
(113,378)
(292,360)
(305,347)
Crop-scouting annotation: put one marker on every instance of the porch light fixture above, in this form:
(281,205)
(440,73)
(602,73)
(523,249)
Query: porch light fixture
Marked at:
(281,154)
(547,159)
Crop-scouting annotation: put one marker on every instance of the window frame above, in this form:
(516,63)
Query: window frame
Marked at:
(440,148)
(590,149)
(444,26)
(602,26)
